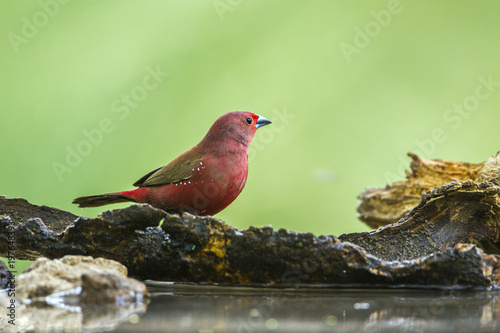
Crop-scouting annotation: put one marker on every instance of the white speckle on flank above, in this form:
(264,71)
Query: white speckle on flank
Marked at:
(192,169)
(201,163)
(197,169)
(189,182)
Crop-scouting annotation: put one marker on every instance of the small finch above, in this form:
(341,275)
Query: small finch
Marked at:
(205,179)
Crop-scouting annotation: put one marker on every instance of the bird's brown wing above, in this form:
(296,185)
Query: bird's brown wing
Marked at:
(178,170)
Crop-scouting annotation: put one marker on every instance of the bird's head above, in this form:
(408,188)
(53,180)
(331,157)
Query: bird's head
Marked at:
(235,129)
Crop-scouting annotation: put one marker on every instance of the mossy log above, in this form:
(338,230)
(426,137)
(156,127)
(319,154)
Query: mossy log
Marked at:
(205,250)
(449,238)
(381,206)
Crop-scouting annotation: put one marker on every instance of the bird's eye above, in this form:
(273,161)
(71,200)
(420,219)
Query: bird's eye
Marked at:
(249,121)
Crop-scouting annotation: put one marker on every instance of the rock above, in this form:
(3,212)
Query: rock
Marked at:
(110,288)
(90,280)
(5,275)
(74,294)
(68,313)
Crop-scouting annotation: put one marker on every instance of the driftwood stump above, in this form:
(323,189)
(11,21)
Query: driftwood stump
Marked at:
(382,206)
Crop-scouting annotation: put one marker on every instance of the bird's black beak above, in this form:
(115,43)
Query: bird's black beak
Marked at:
(262,121)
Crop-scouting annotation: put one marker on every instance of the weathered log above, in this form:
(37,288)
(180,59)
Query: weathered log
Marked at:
(381,206)
(20,210)
(457,212)
(206,250)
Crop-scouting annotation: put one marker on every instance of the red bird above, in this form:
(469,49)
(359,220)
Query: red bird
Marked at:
(205,179)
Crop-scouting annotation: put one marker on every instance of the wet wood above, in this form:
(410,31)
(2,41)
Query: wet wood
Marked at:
(447,237)
(457,212)
(205,250)
(382,206)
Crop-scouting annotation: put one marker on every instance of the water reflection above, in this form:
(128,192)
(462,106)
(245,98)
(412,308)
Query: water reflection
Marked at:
(190,308)
(175,308)
(69,317)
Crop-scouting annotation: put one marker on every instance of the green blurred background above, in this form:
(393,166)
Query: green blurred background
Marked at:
(351,87)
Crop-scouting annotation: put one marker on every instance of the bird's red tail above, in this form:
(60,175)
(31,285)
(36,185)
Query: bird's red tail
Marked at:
(101,199)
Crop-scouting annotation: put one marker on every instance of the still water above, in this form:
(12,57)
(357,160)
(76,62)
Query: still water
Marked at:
(186,308)
(204,309)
